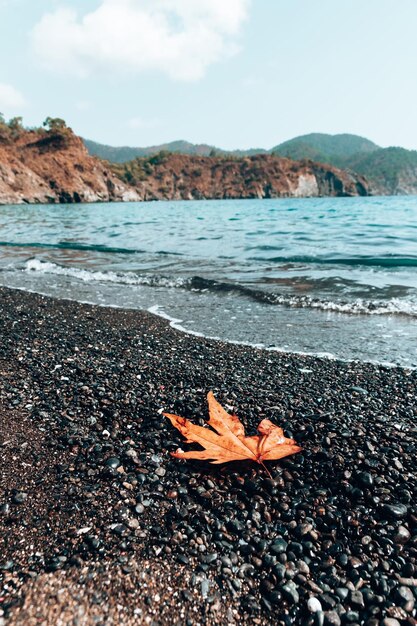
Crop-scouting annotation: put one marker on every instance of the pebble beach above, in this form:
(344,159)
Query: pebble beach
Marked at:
(100,525)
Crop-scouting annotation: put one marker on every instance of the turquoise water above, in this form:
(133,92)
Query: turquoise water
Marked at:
(335,276)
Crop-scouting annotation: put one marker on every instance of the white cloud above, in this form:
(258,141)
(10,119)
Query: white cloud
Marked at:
(10,98)
(180,38)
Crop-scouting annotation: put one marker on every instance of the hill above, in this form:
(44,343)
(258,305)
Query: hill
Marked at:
(125,153)
(390,171)
(46,166)
(316,146)
(189,177)
(53,165)
(324,147)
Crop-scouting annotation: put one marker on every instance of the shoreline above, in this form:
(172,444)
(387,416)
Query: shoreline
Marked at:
(176,324)
(90,493)
(65,205)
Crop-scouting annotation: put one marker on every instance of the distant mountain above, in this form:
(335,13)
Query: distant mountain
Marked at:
(390,171)
(316,146)
(125,153)
(324,147)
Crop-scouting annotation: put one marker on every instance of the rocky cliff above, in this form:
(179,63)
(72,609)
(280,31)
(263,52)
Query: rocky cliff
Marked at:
(185,177)
(49,167)
(54,166)
(389,171)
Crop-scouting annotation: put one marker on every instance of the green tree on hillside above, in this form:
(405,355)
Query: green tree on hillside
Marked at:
(160,157)
(55,124)
(16,124)
(4,129)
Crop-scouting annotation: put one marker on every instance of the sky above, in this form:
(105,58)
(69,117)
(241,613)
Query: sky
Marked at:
(230,73)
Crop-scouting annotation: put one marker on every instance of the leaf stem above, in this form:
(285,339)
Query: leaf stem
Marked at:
(266,469)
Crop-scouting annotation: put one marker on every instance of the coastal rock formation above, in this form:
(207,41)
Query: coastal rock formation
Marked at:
(40,166)
(391,172)
(188,177)
(388,171)
(49,167)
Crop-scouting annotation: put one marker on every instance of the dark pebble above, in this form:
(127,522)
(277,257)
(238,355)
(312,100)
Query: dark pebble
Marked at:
(404,597)
(210,558)
(182,558)
(395,511)
(351,617)
(290,593)
(342,593)
(331,618)
(187,595)
(7,566)
(279,570)
(365,479)
(275,597)
(279,546)
(360,390)
(327,601)
(402,535)
(19,497)
(356,600)
(113,462)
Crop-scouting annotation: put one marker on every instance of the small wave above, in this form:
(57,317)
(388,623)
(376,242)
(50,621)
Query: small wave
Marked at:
(395,306)
(69,245)
(83,247)
(125,278)
(356,307)
(368,261)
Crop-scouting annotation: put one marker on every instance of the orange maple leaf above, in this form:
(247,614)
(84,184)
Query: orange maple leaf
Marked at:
(228,442)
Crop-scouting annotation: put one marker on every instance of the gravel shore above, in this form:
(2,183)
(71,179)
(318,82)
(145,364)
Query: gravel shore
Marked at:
(100,525)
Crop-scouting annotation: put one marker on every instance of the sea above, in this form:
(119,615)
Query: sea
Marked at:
(334,277)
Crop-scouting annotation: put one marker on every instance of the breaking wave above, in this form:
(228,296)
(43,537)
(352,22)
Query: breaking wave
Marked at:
(394,306)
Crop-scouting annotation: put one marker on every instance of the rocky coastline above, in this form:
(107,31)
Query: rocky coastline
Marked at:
(99,524)
(40,167)
(54,166)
